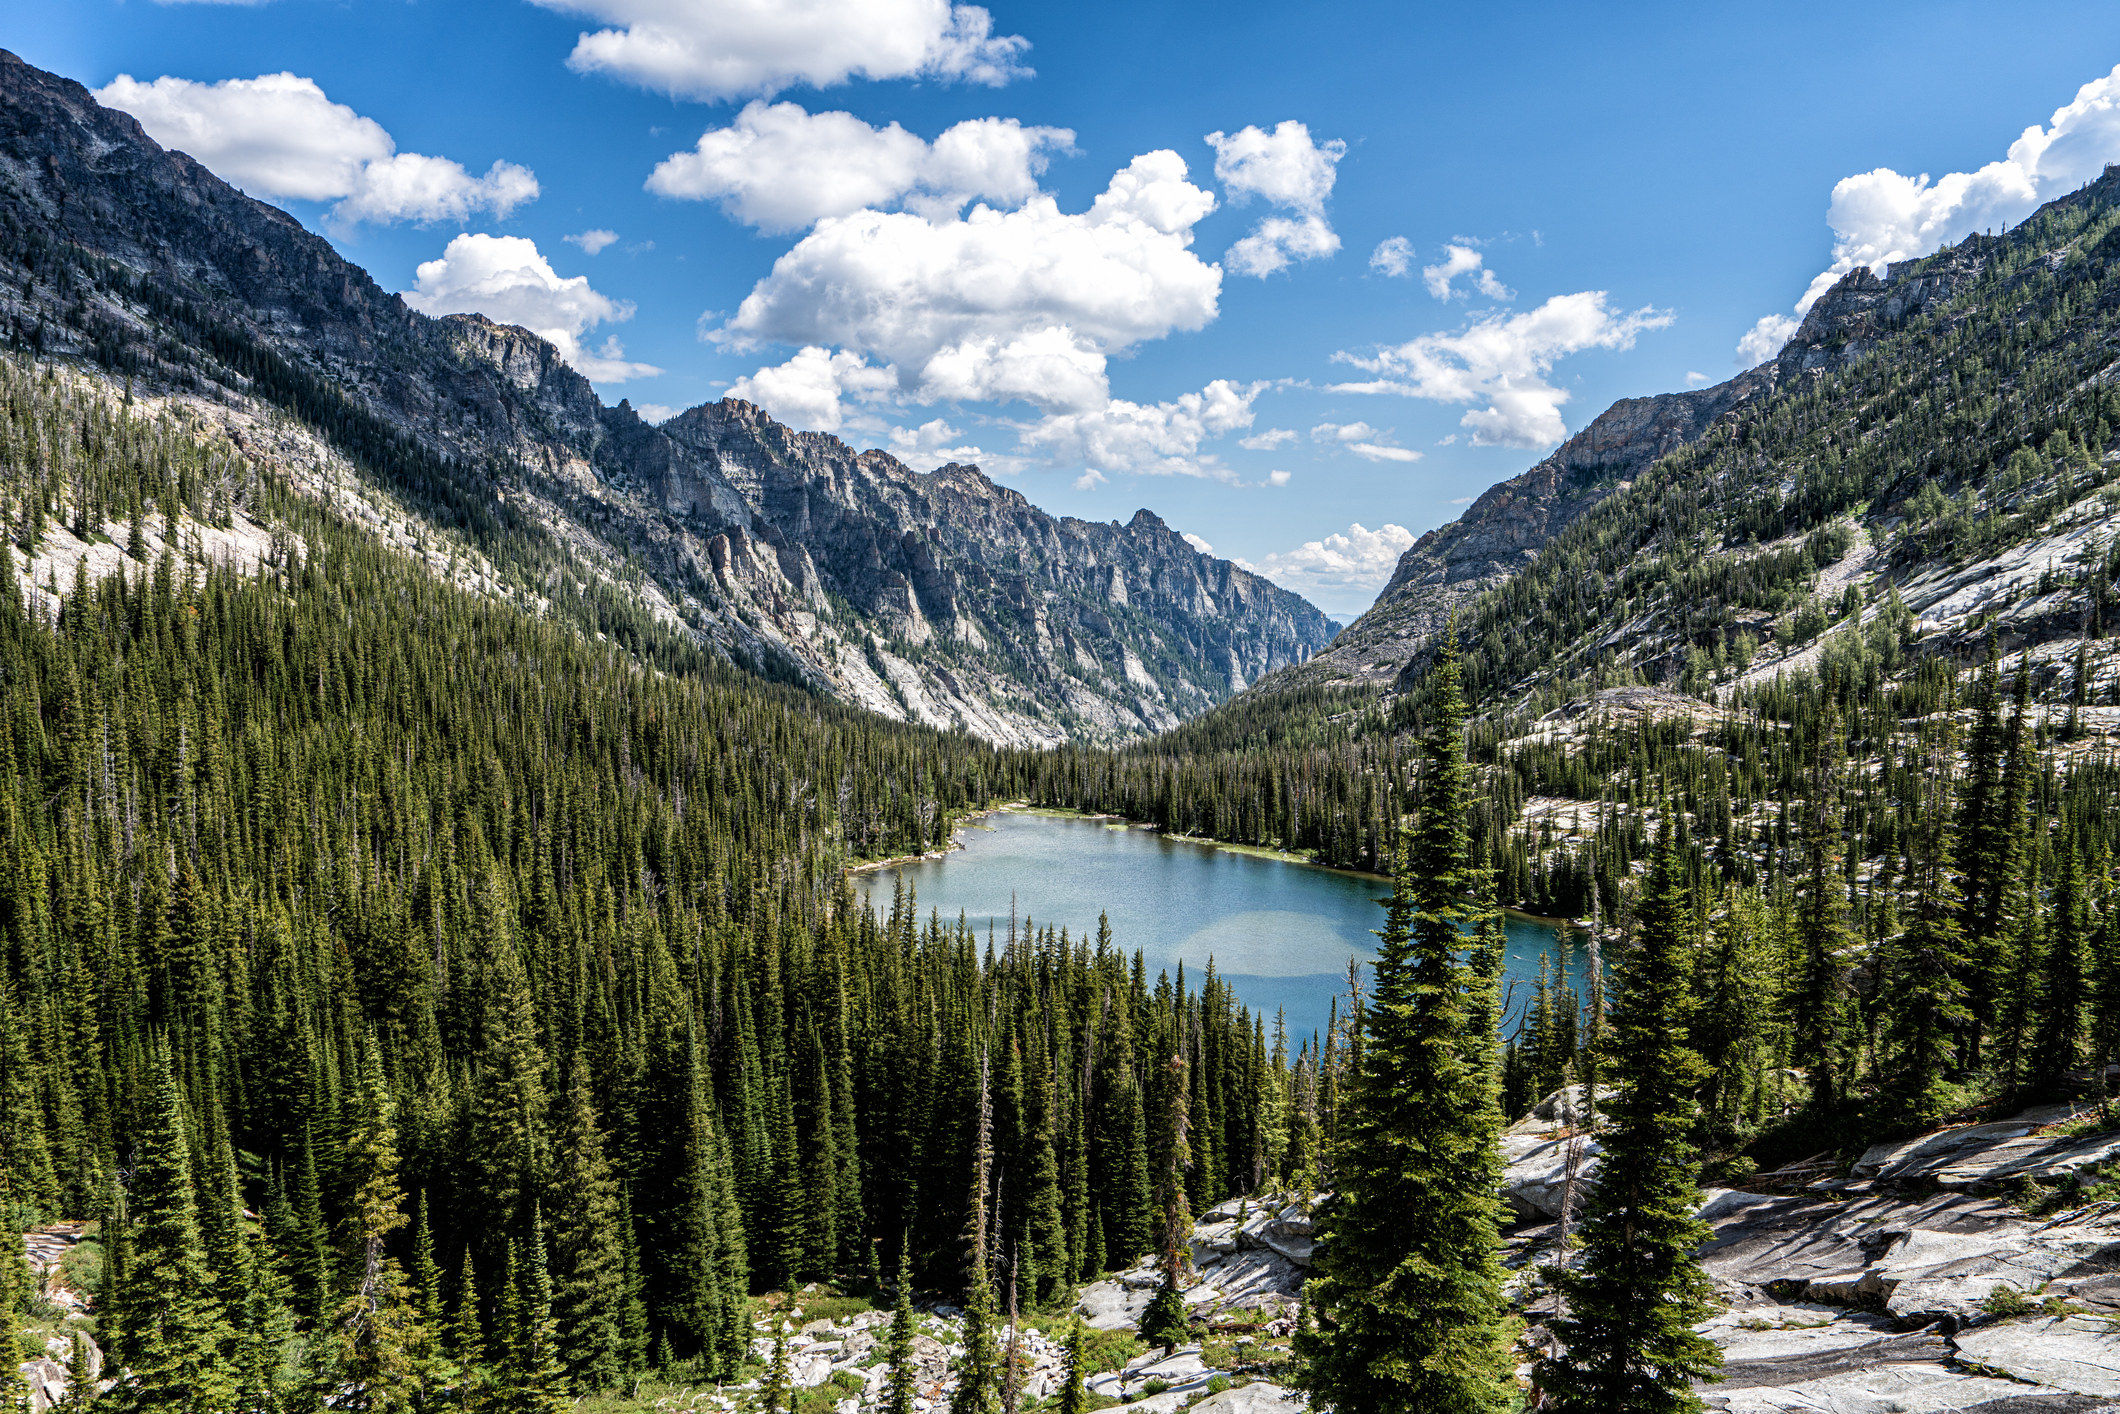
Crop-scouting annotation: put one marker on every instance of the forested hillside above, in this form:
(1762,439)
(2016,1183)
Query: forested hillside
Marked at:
(513,983)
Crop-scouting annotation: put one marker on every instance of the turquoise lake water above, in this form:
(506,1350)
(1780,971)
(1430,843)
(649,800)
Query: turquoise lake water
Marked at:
(1280,932)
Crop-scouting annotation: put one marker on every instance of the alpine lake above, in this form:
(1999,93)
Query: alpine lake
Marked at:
(1278,930)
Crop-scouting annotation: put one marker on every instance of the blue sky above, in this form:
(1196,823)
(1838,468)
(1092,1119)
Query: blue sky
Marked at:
(1617,197)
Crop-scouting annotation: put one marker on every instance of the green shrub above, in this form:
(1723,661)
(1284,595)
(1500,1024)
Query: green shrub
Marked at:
(2007,1301)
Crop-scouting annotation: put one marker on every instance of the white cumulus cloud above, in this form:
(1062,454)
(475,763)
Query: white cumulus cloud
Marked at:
(506,279)
(1393,256)
(997,305)
(935,443)
(781,168)
(278,135)
(1881,216)
(1502,364)
(806,392)
(1276,478)
(722,49)
(1197,542)
(1286,169)
(1765,339)
(1356,562)
(1266,441)
(592,241)
(1463,260)
(1155,439)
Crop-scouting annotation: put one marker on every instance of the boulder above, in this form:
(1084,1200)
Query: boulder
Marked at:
(1981,1158)
(1535,1174)
(1921,1387)
(1111,1305)
(2080,1354)
(1260,1398)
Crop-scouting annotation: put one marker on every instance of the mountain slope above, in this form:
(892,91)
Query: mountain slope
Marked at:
(938,597)
(1504,530)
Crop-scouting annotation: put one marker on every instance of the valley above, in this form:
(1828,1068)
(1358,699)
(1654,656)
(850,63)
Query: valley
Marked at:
(479,925)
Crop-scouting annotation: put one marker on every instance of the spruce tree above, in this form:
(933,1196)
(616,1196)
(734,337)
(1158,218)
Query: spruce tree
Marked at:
(1074,1392)
(1406,1289)
(589,1289)
(537,1380)
(1818,1004)
(975,1393)
(1164,1321)
(177,1336)
(467,1333)
(1045,1216)
(775,1394)
(377,1326)
(1923,995)
(899,1343)
(1632,1302)
(2058,1017)
(14,1287)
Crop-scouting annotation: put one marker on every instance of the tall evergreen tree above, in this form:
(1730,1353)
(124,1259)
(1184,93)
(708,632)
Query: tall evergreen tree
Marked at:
(976,1393)
(1406,1290)
(1923,991)
(377,1325)
(589,1289)
(177,1338)
(1630,1347)
(536,1378)
(2058,1018)
(1164,1321)
(903,1387)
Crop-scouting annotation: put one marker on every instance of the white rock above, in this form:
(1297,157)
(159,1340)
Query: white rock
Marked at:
(1261,1398)
(2077,1353)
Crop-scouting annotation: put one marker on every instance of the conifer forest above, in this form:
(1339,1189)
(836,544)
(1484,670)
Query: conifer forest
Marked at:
(431,975)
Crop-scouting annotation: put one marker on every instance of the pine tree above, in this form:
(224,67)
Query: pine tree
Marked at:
(1074,1393)
(975,1393)
(467,1333)
(589,1289)
(1923,992)
(80,1384)
(1044,1213)
(14,1287)
(1818,1005)
(177,1336)
(377,1326)
(775,1394)
(899,1344)
(2058,1018)
(1631,1304)
(1406,1290)
(1164,1321)
(536,1379)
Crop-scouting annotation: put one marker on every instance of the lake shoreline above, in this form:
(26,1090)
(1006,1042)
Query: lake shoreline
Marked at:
(1251,851)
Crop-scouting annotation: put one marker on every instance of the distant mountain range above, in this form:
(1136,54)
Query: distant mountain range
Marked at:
(937,597)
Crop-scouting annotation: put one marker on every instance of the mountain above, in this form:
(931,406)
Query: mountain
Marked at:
(1504,530)
(1928,474)
(936,597)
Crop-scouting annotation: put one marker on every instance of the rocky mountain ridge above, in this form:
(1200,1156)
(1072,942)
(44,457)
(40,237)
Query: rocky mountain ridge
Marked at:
(938,597)
(1505,528)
